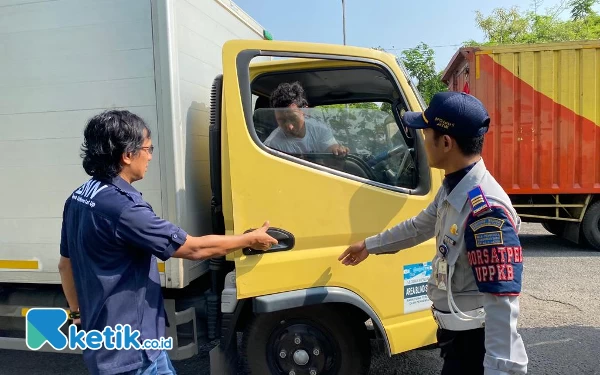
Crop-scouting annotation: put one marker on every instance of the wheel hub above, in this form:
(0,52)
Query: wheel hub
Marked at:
(301,349)
(301,357)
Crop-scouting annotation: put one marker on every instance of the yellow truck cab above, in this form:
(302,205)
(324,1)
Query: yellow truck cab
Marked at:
(301,310)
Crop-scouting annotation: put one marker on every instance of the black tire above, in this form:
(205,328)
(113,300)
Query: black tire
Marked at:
(591,225)
(343,346)
(555,227)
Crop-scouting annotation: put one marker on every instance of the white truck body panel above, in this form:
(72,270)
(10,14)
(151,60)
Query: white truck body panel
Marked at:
(62,62)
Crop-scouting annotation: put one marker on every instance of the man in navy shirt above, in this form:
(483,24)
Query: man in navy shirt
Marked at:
(111,239)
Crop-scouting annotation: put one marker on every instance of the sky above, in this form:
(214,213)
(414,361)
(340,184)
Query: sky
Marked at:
(392,24)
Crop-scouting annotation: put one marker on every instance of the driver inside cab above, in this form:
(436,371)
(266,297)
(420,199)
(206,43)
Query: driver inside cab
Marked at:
(297,133)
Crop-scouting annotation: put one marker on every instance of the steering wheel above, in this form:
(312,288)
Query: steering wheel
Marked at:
(379,158)
(384,156)
(405,159)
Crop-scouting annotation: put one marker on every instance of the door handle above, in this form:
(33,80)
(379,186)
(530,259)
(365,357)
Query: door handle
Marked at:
(285,242)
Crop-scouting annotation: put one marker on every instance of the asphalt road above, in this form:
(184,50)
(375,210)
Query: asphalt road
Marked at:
(560,321)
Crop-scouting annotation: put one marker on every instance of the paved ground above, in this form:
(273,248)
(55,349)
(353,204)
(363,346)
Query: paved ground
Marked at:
(560,321)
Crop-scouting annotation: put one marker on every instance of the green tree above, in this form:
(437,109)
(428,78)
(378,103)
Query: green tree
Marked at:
(420,63)
(510,26)
(580,9)
(386,107)
(503,25)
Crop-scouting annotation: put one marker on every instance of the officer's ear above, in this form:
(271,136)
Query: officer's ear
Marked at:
(447,142)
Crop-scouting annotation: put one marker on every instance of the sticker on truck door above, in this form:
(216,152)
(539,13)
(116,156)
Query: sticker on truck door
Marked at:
(415,287)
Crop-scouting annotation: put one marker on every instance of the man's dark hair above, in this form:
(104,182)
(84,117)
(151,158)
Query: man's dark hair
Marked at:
(288,93)
(467,146)
(106,137)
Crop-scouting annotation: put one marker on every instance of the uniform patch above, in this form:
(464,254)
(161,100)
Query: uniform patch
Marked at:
(497,264)
(488,239)
(495,254)
(478,201)
(487,222)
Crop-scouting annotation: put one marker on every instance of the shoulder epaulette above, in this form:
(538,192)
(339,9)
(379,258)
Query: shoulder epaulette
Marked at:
(478,201)
(118,189)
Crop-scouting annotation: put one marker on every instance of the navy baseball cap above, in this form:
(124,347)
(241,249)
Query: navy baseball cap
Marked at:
(453,113)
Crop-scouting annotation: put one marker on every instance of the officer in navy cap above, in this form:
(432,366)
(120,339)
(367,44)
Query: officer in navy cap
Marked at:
(111,240)
(477,269)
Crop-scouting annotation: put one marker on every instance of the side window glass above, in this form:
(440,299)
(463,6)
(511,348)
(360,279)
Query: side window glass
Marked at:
(295,115)
(373,137)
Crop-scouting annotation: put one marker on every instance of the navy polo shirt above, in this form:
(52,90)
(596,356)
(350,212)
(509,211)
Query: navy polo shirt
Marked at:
(113,239)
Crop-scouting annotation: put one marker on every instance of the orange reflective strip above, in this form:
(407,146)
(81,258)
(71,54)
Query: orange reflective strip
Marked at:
(19,264)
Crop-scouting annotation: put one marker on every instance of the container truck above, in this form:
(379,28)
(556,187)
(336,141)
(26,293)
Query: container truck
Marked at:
(543,146)
(200,72)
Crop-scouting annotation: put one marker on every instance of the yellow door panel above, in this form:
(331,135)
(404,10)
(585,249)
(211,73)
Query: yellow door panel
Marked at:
(324,209)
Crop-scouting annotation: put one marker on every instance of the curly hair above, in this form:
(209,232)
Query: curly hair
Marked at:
(107,136)
(288,93)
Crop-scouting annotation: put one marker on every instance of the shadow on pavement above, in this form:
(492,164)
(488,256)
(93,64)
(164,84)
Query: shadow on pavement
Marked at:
(569,350)
(562,350)
(549,245)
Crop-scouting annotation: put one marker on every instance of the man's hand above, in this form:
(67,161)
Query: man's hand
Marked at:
(259,239)
(338,150)
(354,254)
(213,245)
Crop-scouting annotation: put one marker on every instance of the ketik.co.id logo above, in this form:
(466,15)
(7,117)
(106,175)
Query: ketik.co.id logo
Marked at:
(44,324)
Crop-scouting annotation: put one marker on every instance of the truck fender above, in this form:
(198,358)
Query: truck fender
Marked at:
(312,296)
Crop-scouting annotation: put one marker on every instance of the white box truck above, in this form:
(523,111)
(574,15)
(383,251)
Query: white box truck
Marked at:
(63,61)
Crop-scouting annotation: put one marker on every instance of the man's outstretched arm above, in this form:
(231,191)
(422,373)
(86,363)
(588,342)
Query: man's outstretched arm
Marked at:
(206,247)
(408,233)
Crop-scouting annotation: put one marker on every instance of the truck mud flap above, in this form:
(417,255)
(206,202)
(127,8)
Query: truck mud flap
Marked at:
(224,357)
(176,318)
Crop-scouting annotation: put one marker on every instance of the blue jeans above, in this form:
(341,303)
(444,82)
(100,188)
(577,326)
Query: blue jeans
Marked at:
(161,366)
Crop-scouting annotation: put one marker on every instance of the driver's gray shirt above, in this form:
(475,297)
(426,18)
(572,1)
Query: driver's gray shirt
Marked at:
(318,139)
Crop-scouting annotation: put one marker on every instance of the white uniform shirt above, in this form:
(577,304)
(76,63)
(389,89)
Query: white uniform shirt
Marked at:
(484,254)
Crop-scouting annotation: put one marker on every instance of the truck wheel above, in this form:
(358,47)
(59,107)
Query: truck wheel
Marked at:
(591,225)
(313,340)
(554,227)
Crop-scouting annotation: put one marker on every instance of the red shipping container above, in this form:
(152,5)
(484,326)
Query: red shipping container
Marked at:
(544,102)
(543,146)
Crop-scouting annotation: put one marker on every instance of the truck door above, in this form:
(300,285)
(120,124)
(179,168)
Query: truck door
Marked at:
(320,202)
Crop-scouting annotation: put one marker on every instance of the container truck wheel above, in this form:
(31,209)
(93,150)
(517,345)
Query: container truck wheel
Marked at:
(591,225)
(313,340)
